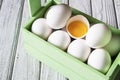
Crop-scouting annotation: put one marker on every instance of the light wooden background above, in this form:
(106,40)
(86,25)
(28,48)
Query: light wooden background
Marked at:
(15,63)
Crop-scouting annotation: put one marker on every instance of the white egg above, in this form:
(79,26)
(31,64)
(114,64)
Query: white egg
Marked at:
(79,49)
(58,15)
(98,36)
(60,39)
(100,60)
(83,30)
(41,28)
(113,47)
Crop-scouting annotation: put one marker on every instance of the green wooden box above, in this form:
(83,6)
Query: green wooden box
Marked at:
(57,59)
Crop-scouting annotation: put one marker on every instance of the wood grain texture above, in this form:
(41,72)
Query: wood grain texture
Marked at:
(82,5)
(117,9)
(15,63)
(49,74)
(10,21)
(104,10)
(1,1)
(25,66)
(46,72)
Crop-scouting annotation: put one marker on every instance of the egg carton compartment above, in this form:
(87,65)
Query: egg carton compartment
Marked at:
(58,59)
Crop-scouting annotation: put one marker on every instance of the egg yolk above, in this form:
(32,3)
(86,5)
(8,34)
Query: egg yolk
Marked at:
(77,28)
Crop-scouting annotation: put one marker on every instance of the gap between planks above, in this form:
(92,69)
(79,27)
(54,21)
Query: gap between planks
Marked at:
(25,66)
(33,62)
(117,10)
(46,72)
(10,20)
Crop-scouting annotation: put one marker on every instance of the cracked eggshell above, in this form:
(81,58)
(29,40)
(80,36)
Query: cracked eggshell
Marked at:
(79,49)
(41,28)
(58,15)
(80,18)
(100,60)
(98,36)
(60,38)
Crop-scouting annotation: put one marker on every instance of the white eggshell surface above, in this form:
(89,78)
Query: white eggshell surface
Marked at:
(60,39)
(100,60)
(58,15)
(41,28)
(77,18)
(79,49)
(98,36)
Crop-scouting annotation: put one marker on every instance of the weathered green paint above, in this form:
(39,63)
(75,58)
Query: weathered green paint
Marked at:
(59,60)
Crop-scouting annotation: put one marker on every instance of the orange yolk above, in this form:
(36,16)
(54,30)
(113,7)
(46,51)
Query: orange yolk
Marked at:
(77,28)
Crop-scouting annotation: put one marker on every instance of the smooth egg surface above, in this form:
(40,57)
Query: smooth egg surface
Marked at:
(41,28)
(79,49)
(60,39)
(58,15)
(100,59)
(98,35)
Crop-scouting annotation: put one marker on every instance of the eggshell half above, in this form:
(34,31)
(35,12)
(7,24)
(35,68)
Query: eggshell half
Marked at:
(77,18)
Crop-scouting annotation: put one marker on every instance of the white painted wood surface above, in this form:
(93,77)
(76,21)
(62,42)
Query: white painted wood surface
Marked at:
(117,10)
(25,67)
(104,10)
(82,5)
(10,21)
(15,63)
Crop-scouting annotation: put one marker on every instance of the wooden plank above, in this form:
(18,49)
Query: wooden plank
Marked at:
(25,67)
(46,72)
(104,10)
(10,20)
(81,5)
(49,74)
(118,76)
(117,9)
(1,3)
(30,68)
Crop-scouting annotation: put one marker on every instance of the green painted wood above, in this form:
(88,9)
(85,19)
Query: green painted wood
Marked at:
(60,60)
(104,11)
(94,20)
(47,73)
(58,1)
(51,62)
(117,10)
(34,6)
(114,69)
